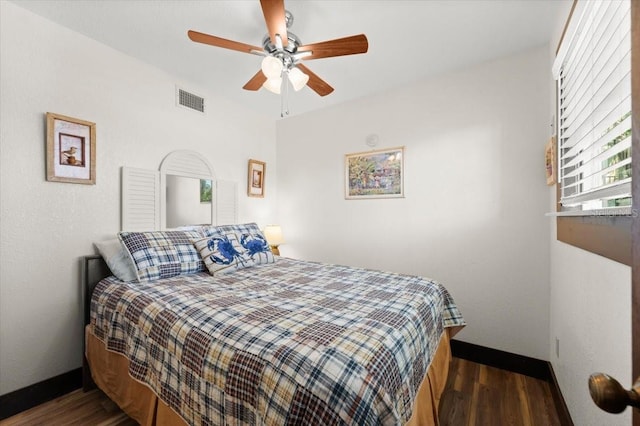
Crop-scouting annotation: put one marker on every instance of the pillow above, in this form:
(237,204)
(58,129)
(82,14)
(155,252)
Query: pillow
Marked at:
(248,235)
(196,228)
(163,254)
(241,228)
(116,256)
(222,254)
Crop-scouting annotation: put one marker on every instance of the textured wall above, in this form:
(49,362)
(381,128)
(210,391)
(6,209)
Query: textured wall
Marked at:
(47,226)
(473,215)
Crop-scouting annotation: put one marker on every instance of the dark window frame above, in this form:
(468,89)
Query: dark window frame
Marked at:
(608,236)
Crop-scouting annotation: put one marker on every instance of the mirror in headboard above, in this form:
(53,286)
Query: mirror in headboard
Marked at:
(187,201)
(180,176)
(171,197)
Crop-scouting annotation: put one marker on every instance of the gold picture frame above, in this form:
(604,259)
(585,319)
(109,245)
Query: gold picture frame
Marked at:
(71,150)
(550,161)
(255,179)
(375,174)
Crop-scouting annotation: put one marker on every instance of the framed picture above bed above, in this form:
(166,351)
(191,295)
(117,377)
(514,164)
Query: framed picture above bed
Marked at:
(255,180)
(375,174)
(71,150)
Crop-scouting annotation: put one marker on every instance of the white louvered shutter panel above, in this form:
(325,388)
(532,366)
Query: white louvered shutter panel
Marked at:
(226,202)
(593,70)
(140,199)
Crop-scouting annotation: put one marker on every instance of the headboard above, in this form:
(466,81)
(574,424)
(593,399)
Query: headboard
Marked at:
(94,268)
(144,192)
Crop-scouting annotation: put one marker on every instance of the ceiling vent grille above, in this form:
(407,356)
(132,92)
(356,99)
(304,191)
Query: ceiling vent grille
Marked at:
(189,100)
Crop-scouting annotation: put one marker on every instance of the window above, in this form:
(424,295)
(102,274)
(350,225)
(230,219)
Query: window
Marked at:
(593,73)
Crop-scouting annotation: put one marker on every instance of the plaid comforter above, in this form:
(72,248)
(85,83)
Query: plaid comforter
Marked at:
(293,342)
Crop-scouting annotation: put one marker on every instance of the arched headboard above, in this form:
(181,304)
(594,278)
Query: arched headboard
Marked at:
(187,164)
(144,192)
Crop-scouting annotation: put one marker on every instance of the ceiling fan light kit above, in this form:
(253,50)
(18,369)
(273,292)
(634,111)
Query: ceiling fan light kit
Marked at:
(297,78)
(274,85)
(283,52)
(271,67)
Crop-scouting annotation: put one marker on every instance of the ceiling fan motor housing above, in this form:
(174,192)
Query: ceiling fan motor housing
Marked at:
(284,54)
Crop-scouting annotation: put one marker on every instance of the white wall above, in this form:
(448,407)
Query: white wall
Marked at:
(46,226)
(590,305)
(591,315)
(473,215)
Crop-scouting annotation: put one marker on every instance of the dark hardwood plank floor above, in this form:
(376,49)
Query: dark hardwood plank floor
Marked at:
(475,395)
(76,408)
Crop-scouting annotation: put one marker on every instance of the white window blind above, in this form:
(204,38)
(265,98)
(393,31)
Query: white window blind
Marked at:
(593,71)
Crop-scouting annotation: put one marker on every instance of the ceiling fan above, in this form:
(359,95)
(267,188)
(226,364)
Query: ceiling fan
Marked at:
(283,52)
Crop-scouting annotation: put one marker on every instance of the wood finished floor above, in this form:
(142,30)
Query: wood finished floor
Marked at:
(475,395)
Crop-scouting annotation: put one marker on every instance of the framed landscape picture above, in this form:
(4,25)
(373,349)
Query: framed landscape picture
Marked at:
(71,150)
(375,174)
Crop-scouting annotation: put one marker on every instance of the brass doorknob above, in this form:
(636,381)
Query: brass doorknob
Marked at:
(609,395)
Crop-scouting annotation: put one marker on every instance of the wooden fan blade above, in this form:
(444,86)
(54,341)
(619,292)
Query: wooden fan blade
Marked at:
(339,47)
(222,42)
(256,81)
(274,17)
(317,84)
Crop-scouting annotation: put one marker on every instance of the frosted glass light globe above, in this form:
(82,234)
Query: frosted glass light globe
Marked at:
(271,67)
(297,78)
(273,85)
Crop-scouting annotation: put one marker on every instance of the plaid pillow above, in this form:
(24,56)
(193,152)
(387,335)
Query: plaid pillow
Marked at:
(239,228)
(163,254)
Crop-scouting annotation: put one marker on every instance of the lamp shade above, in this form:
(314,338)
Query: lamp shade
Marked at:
(273,234)
(271,67)
(297,78)
(273,85)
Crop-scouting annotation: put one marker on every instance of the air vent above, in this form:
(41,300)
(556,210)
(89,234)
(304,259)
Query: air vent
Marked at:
(190,100)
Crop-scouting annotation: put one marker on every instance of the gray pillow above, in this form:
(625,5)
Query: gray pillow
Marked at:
(114,253)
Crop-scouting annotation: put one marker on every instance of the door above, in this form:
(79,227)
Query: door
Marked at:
(606,392)
(635,230)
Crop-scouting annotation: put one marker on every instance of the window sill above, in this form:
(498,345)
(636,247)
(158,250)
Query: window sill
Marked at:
(608,236)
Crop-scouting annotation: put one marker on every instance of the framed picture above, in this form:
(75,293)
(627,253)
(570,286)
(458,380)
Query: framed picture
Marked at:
(255,180)
(71,150)
(550,161)
(375,174)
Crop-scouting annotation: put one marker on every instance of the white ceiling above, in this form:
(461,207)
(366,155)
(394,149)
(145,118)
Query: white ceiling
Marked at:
(408,40)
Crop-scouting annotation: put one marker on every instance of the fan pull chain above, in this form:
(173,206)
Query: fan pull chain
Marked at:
(284,98)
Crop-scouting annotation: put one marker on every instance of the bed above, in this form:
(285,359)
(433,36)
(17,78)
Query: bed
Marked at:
(278,341)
